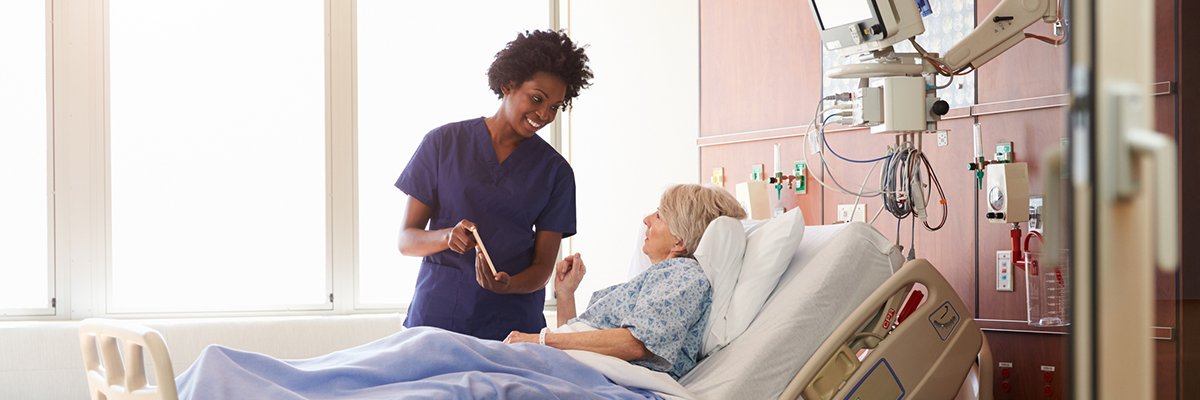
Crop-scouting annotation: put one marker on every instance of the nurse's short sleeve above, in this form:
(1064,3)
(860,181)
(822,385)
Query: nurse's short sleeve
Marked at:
(559,214)
(420,177)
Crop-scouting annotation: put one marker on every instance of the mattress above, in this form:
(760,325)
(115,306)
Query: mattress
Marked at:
(834,269)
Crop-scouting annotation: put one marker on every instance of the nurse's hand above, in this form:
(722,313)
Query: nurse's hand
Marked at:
(568,273)
(460,238)
(483,274)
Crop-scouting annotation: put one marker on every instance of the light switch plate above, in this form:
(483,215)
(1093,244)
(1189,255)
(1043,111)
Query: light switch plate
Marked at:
(848,212)
(1004,271)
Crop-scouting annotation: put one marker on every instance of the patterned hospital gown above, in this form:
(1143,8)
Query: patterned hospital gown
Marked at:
(665,307)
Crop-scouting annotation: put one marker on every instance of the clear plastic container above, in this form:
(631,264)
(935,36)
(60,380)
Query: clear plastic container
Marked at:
(1047,291)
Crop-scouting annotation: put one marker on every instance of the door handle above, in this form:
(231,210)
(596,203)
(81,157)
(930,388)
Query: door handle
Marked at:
(1132,140)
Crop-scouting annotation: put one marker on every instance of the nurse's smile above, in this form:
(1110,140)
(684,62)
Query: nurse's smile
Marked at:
(535,125)
(531,105)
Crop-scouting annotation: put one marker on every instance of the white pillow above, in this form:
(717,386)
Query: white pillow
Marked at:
(769,249)
(640,261)
(720,254)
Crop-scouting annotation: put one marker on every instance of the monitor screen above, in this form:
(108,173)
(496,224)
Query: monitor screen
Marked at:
(835,13)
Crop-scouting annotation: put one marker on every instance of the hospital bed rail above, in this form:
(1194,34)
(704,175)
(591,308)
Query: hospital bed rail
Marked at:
(927,356)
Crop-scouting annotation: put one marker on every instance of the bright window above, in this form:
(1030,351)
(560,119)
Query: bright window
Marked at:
(420,65)
(218,158)
(24,202)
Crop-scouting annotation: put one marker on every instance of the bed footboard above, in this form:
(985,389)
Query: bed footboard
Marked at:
(114,363)
(927,356)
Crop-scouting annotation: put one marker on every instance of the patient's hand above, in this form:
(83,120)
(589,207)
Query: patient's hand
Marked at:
(518,337)
(568,273)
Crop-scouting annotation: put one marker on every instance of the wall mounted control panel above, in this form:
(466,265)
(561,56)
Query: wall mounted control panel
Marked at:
(1004,271)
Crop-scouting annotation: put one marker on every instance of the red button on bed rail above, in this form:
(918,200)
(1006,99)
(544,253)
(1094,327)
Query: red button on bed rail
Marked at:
(1004,387)
(1048,376)
(1004,372)
(1049,391)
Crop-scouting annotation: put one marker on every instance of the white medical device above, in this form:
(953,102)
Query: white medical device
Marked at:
(869,28)
(1008,192)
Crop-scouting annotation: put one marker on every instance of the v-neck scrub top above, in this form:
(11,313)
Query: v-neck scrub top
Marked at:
(456,173)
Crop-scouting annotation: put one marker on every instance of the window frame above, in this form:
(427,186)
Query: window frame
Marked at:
(51,301)
(558,19)
(78,149)
(109,307)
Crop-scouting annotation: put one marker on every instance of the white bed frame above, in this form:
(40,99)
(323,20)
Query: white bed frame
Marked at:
(110,377)
(922,360)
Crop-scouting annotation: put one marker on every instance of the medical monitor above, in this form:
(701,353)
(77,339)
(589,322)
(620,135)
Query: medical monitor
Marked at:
(848,22)
(857,26)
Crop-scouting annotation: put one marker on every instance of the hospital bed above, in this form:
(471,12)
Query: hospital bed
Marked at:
(831,329)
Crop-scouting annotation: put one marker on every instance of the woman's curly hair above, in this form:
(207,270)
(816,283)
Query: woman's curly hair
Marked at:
(541,51)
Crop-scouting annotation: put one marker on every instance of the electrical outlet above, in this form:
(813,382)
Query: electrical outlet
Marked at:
(1035,214)
(848,212)
(943,138)
(1004,271)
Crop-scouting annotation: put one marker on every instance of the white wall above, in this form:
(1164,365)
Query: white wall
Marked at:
(634,131)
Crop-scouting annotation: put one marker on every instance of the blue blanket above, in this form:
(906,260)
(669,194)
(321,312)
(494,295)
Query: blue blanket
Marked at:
(425,363)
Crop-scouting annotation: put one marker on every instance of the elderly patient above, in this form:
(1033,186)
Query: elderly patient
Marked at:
(656,319)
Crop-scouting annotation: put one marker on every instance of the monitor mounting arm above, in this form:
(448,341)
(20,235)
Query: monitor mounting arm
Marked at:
(1002,29)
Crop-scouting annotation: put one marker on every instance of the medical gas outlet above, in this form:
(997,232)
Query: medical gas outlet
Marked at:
(1008,192)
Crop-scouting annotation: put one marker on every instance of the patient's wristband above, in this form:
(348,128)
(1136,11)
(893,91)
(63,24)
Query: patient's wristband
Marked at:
(542,336)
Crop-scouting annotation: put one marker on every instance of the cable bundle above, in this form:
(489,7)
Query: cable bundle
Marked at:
(901,184)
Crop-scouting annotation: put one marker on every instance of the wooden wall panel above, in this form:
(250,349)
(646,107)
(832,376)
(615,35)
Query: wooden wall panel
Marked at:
(737,159)
(1030,69)
(1033,134)
(1165,374)
(1028,352)
(760,78)
(760,65)
(950,249)
(1188,139)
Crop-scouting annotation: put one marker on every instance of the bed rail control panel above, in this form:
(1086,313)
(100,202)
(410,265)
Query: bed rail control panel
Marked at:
(881,382)
(833,375)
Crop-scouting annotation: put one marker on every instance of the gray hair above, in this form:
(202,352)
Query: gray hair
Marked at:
(688,208)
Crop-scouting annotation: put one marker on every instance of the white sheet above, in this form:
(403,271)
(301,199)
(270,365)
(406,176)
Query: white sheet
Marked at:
(622,372)
(835,268)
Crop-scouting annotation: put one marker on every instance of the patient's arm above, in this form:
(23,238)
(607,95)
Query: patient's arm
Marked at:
(568,273)
(618,343)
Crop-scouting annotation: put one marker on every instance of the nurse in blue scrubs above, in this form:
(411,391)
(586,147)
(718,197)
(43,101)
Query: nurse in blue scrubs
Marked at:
(496,175)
